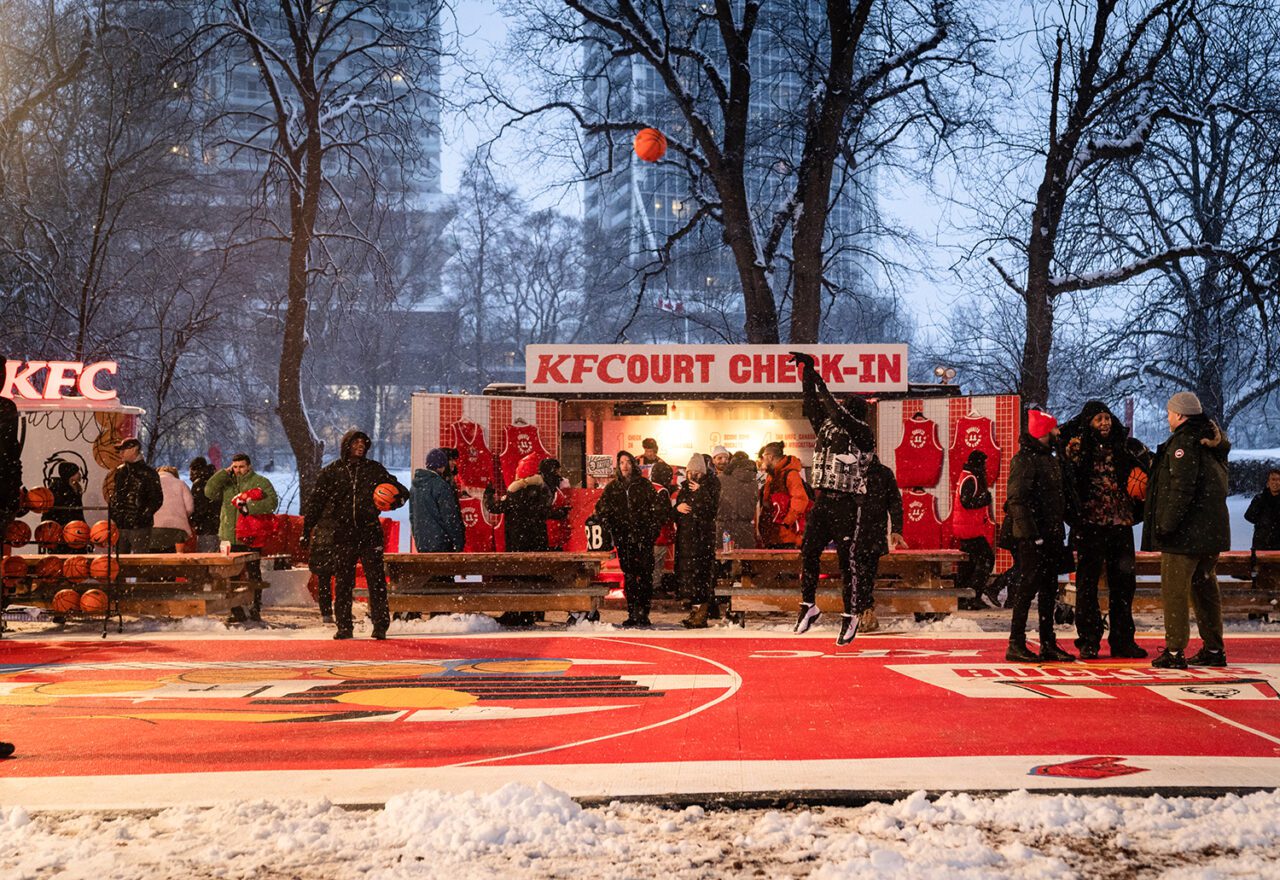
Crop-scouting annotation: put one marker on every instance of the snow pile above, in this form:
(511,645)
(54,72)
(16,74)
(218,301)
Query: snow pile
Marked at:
(446,623)
(178,625)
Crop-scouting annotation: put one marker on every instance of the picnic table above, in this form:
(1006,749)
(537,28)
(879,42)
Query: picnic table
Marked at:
(1249,583)
(495,582)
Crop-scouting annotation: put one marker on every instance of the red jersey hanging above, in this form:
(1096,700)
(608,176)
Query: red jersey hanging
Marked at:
(480,529)
(974,434)
(475,459)
(917,462)
(920,524)
(520,441)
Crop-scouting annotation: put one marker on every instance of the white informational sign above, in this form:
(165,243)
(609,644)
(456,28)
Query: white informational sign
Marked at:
(655,369)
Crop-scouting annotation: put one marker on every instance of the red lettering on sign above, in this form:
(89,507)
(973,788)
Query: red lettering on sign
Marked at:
(868,363)
(637,368)
(580,364)
(763,364)
(549,369)
(603,370)
(660,368)
(889,366)
(683,371)
(739,369)
(704,363)
(831,369)
(786,369)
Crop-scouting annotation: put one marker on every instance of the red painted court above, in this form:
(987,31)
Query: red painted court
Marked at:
(136,721)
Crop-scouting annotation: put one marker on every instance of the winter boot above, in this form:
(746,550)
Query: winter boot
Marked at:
(848,628)
(1205,657)
(1018,652)
(1051,653)
(697,618)
(1170,660)
(809,615)
(1131,651)
(867,621)
(342,634)
(633,615)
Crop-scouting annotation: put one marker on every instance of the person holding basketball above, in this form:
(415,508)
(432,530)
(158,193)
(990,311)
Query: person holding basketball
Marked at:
(344,495)
(241,490)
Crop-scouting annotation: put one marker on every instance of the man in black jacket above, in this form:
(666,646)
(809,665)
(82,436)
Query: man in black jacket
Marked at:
(135,493)
(1264,514)
(881,516)
(343,494)
(841,457)
(1098,457)
(1035,530)
(634,511)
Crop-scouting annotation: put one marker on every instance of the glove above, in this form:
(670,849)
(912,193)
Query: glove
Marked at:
(804,360)
(1039,542)
(305,541)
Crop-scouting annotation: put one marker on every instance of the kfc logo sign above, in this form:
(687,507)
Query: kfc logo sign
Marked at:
(57,380)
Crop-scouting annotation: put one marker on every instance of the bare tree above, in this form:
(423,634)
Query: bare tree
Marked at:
(858,75)
(345,84)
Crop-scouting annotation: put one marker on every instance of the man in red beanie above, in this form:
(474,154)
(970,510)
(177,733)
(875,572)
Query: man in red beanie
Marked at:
(1033,529)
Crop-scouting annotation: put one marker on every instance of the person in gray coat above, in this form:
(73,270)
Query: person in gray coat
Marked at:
(435,517)
(738,495)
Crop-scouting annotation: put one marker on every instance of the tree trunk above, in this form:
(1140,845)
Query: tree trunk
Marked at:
(1039,338)
(761,324)
(807,256)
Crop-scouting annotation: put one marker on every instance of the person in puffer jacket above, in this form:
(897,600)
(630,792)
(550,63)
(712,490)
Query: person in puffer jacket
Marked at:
(841,459)
(634,512)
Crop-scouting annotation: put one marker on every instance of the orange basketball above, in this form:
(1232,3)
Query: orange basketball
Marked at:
(17,533)
(38,500)
(92,601)
(650,144)
(13,570)
(75,533)
(101,531)
(66,600)
(385,495)
(1138,484)
(75,568)
(49,567)
(48,535)
(104,568)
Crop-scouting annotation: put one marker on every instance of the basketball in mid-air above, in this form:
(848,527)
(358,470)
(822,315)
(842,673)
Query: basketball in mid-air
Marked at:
(650,144)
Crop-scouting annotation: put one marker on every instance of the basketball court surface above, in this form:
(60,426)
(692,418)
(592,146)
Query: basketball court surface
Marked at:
(157,720)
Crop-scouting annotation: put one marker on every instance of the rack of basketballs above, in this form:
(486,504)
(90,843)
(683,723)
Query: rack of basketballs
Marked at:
(74,567)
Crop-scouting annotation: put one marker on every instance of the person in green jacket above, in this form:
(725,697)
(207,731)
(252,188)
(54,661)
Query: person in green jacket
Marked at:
(223,487)
(1188,523)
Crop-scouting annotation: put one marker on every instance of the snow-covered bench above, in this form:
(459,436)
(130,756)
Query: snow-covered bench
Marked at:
(1245,588)
(479,583)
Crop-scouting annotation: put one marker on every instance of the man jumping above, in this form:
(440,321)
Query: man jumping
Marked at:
(841,457)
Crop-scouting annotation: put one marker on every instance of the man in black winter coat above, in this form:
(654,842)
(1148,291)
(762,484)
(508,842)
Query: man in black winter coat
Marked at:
(135,493)
(1098,457)
(841,454)
(1034,529)
(879,528)
(634,511)
(696,504)
(343,495)
(1264,513)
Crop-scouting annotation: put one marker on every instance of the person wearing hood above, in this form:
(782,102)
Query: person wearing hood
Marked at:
(634,511)
(207,518)
(1188,523)
(527,504)
(343,494)
(879,528)
(435,518)
(784,500)
(67,487)
(1098,460)
(736,516)
(841,455)
(1264,514)
(971,525)
(696,504)
(1034,529)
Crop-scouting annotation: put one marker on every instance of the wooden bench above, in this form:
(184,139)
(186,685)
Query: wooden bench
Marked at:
(211,583)
(1240,595)
(908,581)
(478,583)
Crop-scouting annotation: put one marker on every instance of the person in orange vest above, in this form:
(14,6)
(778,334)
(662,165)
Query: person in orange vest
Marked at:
(971,525)
(783,499)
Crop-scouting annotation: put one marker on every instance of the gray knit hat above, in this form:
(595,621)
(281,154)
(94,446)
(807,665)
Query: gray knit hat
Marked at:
(1184,403)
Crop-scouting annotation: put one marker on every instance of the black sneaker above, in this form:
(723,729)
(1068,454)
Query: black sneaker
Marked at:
(340,635)
(809,615)
(380,635)
(848,628)
(1088,652)
(1051,653)
(630,623)
(326,618)
(1205,657)
(1131,651)
(6,749)
(1170,660)
(1018,652)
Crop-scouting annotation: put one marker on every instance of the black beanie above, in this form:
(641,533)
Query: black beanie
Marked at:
(1093,408)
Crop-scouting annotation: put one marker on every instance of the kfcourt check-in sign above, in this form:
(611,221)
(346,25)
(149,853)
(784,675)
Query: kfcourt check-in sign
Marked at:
(657,369)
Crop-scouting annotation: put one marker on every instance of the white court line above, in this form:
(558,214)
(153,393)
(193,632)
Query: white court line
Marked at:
(1236,724)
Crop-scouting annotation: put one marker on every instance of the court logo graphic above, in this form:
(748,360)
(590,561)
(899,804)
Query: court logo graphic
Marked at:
(1102,767)
(1099,682)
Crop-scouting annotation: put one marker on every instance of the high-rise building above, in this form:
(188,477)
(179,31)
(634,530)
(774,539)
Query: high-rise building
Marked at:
(631,207)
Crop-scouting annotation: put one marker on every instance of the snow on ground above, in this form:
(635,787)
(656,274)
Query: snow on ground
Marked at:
(521,831)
